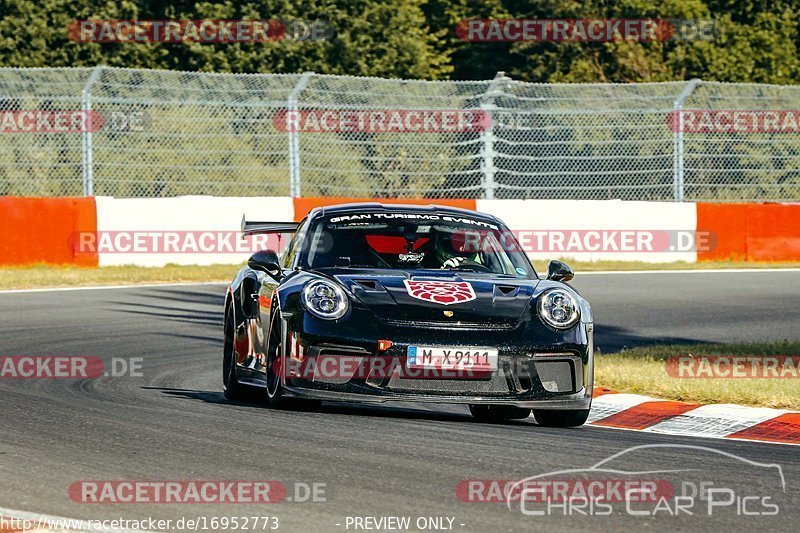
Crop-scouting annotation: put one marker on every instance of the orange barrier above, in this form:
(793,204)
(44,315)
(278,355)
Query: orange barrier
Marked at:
(750,232)
(302,206)
(41,230)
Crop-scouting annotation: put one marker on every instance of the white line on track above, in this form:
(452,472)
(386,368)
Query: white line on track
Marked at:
(694,436)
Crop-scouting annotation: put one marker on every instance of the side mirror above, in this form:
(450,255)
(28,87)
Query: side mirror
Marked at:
(559,271)
(266,261)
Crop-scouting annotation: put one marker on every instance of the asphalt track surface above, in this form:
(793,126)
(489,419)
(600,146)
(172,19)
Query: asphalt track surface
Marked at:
(172,423)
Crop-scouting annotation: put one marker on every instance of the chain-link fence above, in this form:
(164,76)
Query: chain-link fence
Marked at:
(169,133)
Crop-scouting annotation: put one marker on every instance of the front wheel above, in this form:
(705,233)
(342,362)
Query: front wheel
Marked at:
(498,413)
(561,419)
(276,399)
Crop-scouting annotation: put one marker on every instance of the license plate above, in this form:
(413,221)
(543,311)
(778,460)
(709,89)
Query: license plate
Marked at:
(437,357)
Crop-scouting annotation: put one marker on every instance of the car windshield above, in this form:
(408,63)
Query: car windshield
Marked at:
(411,241)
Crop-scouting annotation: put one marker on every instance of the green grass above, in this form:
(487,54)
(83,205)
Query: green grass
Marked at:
(643,371)
(594,266)
(69,276)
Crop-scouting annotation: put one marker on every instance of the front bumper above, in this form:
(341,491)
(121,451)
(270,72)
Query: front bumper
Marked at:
(560,380)
(573,402)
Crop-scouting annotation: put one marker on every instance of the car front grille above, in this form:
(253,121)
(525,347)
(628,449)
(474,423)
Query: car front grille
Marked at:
(450,325)
(496,386)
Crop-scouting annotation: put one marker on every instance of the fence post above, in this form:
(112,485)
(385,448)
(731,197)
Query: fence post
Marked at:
(294,139)
(677,139)
(86,136)
(488,137)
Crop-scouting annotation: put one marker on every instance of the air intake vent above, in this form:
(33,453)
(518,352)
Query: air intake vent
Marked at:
(507,290)
(369,284)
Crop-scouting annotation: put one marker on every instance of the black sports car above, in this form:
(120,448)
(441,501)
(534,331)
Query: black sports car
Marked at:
(373,303)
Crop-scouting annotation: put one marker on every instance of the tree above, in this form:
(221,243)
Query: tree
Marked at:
(376,38)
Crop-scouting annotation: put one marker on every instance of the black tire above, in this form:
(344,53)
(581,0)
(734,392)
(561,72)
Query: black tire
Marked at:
(498,413)
(561,419)
(275,397)
(231,388)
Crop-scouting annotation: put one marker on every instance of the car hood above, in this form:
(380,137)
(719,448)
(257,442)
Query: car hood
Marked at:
(426,295)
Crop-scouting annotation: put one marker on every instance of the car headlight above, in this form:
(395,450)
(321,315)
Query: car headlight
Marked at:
(325,299)
(558,308)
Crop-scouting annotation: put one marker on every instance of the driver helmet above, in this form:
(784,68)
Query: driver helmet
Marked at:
(449,244)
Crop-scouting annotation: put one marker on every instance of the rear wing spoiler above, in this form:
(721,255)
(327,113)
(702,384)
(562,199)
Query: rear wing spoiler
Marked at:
(252,227)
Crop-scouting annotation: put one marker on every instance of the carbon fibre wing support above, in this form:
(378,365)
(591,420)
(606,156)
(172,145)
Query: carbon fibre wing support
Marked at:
(252,227)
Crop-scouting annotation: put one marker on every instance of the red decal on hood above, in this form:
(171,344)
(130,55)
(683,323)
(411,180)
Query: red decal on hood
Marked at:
(441,292)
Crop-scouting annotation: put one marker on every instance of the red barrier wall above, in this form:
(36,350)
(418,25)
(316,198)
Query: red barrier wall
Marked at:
(39,230)
(751,232)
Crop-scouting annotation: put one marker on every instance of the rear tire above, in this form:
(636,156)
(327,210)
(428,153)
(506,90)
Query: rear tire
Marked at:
(561,419)
(231,388)
(275,397)
(498,413)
